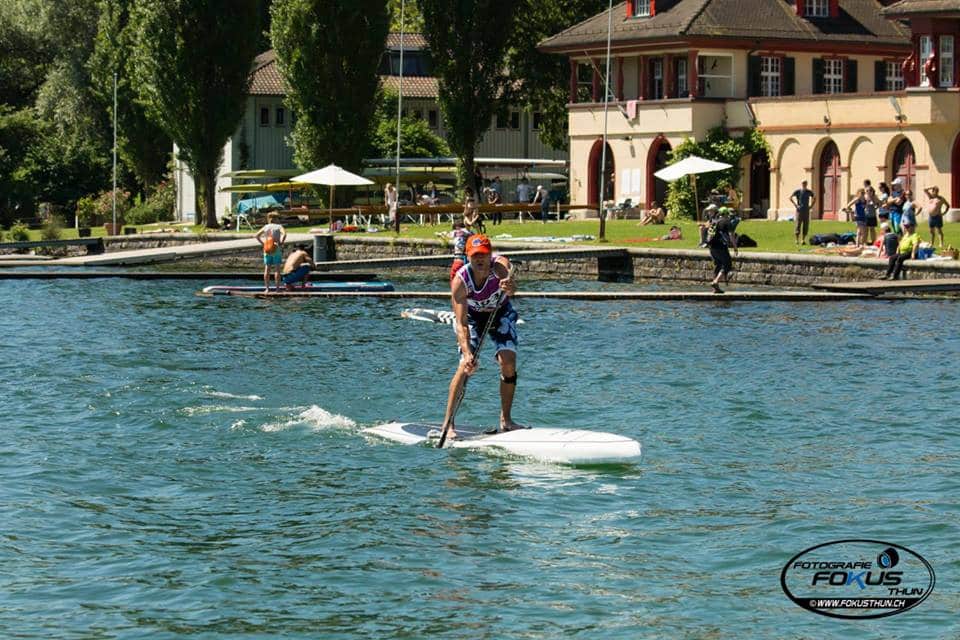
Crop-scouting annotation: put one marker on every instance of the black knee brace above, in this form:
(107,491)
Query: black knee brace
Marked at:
(511,380)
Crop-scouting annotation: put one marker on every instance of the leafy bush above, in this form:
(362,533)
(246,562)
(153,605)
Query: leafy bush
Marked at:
(52,228)
(87,212)
(157,207)
(104,206)
(19,232)
(717,145)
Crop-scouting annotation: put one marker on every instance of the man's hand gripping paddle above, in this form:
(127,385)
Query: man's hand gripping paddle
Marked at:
(473,360)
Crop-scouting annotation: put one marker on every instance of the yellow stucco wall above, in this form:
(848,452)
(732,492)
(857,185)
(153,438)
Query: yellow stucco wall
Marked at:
(865,129)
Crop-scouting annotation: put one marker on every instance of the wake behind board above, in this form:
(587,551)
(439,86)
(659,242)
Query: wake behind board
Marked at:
(432,315)
(312,287)
(574,446)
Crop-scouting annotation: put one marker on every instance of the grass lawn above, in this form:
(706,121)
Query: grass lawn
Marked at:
(770,236)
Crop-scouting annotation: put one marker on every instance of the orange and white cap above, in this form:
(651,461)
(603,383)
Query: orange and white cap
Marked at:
(478,243)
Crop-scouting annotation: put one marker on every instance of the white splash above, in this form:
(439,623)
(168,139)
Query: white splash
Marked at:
(224,394)
(208,409)
(238,424)
(316,418)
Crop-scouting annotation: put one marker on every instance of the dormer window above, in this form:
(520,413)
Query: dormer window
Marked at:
(641,8)
(816,8)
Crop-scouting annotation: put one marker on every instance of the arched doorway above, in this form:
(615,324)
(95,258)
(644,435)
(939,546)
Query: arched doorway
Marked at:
(760,183)
(593,173)
(657,159)
(829,196)
(904,164)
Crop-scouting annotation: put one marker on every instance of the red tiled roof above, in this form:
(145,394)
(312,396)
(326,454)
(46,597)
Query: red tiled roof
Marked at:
(908,7)
(410,41)
(413,86)
(266,80)
(859,21)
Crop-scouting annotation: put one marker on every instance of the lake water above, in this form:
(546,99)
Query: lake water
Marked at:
(178,466)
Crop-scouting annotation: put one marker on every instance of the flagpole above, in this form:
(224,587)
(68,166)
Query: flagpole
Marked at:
(396,224)
(606,102)
(114,151)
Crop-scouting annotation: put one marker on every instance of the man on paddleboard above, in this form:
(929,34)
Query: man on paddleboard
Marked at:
(480,288)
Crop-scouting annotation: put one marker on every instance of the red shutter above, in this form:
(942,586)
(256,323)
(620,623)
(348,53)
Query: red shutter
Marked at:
(629,8)
(834,8)
(653,8)
(799,7)
(573,81)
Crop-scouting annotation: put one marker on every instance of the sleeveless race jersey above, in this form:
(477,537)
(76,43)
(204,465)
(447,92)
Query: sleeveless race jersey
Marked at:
(482,297)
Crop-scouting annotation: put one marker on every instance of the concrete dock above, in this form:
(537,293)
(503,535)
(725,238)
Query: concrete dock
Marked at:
(595,296)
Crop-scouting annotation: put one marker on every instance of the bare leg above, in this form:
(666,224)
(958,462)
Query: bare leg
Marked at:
(459,380)
(508,369)
(266,277)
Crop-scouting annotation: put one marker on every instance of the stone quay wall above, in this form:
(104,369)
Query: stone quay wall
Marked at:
(635,264)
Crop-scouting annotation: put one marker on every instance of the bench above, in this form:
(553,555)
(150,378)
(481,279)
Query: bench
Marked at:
(94,246)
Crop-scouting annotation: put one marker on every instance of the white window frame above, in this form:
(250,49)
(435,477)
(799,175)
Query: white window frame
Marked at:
(926,48)
(714,85)
(893,80)
(770,76)
(946,61)
(683,78)
(833,75)
(641,8)
(656,79)
(816,9)
(584,84)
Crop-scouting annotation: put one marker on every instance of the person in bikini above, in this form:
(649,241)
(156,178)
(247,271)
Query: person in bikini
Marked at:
(476,291)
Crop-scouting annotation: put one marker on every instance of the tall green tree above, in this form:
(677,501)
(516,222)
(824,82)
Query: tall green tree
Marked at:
(541,80)
(18,134)
(141,143)
(412,18)
(417,140)
(192,65)
(469,40)
(71,155)
(329,52)
(25,53)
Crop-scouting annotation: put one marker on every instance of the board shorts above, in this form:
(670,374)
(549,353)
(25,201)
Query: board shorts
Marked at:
(274,259)
(503,333)
(297,274)
(936,222)
(458,262)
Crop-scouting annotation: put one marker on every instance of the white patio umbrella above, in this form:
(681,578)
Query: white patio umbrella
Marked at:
(332,176)
(691,166)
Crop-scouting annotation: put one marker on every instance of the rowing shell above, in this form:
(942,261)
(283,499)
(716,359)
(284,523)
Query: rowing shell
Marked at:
(312,287)
(574,446)
(432,315)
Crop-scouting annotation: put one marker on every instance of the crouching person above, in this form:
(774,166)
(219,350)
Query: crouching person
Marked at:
(296,270)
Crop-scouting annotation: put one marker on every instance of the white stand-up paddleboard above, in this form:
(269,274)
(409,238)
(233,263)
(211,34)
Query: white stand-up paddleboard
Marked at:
(574,446)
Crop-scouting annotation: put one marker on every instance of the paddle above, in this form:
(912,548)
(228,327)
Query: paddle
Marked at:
(473,359)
